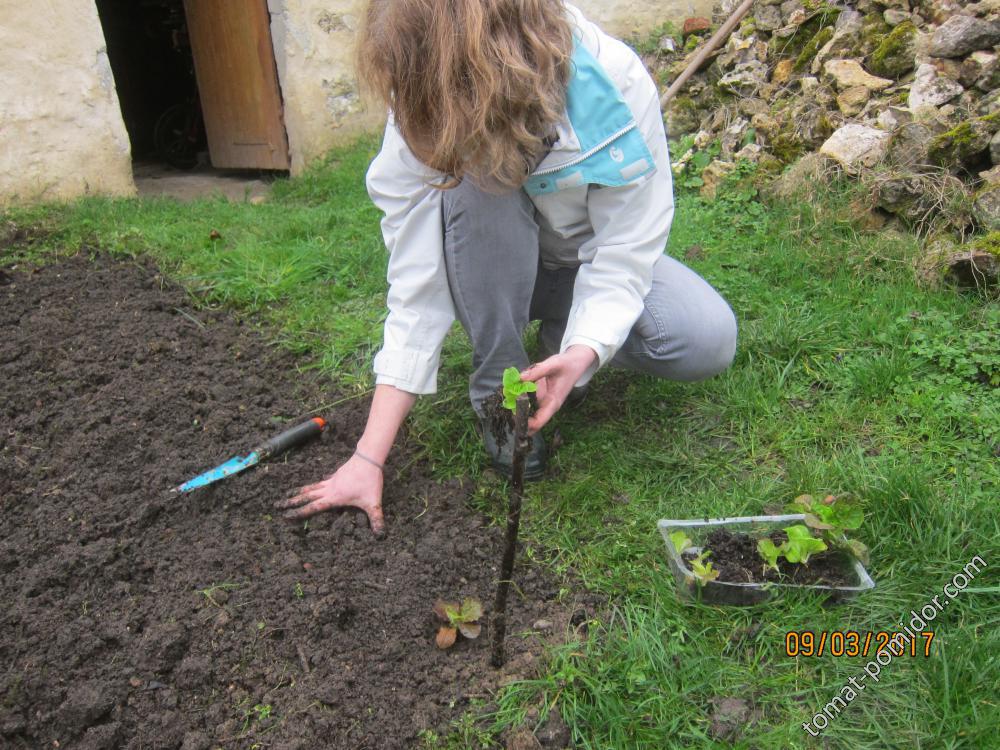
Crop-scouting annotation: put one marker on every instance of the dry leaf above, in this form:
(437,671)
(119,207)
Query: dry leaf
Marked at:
(446,637)
(470,629)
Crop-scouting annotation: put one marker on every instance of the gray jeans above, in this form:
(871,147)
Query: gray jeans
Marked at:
(685,332)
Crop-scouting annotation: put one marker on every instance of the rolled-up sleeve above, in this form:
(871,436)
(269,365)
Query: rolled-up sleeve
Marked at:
(420,306)
(631,224)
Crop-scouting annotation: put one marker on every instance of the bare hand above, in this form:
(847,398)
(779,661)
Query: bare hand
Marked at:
(356,484)
(556,377)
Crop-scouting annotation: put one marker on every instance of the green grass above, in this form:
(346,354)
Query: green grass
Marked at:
(849,378)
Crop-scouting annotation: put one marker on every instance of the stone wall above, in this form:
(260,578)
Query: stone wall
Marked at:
(62,129)
(314,44)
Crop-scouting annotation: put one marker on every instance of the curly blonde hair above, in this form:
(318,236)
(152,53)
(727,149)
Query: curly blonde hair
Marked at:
(475,86)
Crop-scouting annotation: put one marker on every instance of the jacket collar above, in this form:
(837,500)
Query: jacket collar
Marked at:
(597,138)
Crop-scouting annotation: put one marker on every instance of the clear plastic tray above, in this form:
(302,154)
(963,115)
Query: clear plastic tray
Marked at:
(718,592)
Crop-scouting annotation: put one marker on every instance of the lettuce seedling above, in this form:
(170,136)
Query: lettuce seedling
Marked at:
(457,618)
(801,544)
(703,569)
(832,513)
(831,517)
(681,541)
(770,552)
(513,387)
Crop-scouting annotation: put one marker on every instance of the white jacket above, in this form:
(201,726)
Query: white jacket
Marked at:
(604,201)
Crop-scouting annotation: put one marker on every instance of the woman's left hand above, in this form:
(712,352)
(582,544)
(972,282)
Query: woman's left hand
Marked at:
(556,377)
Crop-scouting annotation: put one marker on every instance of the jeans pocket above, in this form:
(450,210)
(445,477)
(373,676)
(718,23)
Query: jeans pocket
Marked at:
(647,329)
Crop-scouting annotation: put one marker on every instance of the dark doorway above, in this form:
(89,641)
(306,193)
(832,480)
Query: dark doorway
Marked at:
(151,60)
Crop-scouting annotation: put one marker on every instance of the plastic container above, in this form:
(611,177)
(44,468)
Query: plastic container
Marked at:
(718,592)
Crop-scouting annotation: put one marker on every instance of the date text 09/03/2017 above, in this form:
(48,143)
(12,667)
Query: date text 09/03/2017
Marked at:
(854,643)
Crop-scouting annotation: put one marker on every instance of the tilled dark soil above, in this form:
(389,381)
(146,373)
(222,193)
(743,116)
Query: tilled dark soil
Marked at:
(133,618)
(736,558)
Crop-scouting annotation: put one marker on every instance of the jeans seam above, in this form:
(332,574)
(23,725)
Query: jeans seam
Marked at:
(661,337)
(451,256)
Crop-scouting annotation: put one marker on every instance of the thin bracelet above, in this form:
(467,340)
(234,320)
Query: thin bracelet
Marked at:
(372,461)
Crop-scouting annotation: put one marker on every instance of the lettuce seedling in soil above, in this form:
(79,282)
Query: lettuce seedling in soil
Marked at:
(832,517)
(801,544)
(702,568)
(816,552)
(738,558)
(798,548)
(770,552)
(457,618)
(681,541)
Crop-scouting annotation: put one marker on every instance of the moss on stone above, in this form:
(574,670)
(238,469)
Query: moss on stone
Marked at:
(899,99)
(963,142)
(820,7)
(683,115)
(823,17)
(988,243)
(769,166)
(874,31)
(811,47)
(991,121)
(824,127)
(787,146)
(893,57)
(683,104)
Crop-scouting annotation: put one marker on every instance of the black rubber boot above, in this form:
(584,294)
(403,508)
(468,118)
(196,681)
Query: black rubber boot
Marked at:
(576,396)
(503,457)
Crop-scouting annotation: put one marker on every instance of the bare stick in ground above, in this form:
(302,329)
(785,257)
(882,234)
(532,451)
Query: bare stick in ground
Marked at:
(499,626)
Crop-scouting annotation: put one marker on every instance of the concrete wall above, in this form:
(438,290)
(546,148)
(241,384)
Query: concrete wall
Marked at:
(314,47)
(61,129)
(314,43)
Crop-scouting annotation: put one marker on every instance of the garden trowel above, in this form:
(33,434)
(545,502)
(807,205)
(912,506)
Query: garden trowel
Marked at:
(278,444)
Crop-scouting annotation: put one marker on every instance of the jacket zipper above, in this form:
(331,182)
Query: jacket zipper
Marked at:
(587,154)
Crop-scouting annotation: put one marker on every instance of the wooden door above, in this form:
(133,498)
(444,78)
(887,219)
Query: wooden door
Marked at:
(238,83)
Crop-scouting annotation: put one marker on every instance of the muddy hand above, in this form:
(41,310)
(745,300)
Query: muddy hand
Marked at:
(356,484)
(556,377)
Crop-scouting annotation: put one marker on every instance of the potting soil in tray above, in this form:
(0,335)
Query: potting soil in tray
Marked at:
(736,558)
(133,618)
